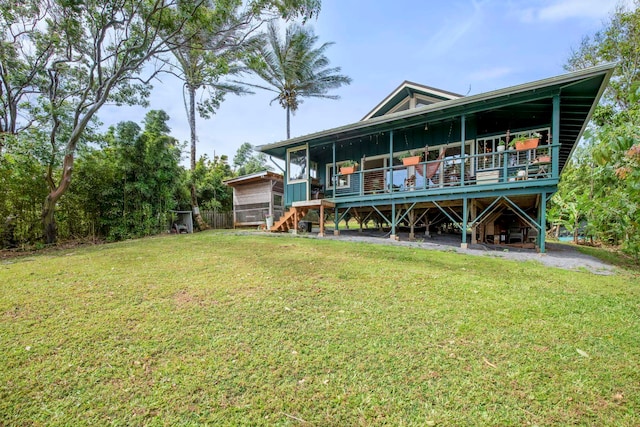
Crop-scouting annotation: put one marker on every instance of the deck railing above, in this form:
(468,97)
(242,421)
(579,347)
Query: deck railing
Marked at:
(479,169)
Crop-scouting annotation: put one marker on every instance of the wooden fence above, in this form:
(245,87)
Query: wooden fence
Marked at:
(218,220)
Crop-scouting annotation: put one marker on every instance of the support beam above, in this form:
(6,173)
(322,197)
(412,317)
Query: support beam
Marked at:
(463,133)
(543,226)
(381,215)
(555,137)
(465,216)
(321,220)
(393,222)
(344,214)
(401,217)
(391,151)
(522,214)
(474,213)
(486,212)
(412,224)
(336,230)
(454,221)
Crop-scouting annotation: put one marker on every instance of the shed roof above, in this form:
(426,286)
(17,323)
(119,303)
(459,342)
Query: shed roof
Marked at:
(253,177)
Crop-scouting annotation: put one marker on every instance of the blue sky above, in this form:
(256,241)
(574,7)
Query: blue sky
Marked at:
(462,46)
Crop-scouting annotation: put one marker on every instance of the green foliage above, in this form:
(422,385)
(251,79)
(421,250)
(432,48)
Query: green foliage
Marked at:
(247,161)
(208,176)
(602,184)
(618,41)
(21,198)
(126,189)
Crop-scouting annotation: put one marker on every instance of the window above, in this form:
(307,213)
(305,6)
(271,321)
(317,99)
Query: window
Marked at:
(297,164)
(342,181)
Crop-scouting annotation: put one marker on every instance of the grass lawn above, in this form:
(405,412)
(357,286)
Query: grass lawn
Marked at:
(220,329)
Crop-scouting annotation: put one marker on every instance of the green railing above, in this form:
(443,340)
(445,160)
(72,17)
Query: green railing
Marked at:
(482,169)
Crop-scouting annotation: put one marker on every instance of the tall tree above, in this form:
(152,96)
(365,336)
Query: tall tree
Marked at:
(90,52)
(603,185)
(22,63)
(67,59)
(247,161)
(210,48)
(294,68)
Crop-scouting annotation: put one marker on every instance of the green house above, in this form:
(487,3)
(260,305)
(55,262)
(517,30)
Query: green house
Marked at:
(426,157)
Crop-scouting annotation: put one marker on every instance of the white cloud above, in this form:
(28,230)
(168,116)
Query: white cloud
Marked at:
(560,10)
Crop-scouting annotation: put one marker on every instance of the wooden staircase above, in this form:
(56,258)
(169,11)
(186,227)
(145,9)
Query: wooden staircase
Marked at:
(290,219)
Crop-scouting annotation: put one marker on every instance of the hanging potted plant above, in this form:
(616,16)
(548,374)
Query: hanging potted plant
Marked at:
(409,159)
(348,167)
(501,146)
(525,141)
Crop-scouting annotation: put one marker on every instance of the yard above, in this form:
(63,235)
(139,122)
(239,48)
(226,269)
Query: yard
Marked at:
(231,329)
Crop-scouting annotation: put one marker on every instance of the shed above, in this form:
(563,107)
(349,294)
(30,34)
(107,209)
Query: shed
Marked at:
(183,221)
(255,196)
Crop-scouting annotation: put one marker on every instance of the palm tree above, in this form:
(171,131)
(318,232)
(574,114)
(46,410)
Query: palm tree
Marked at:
(209,50)
(294,69)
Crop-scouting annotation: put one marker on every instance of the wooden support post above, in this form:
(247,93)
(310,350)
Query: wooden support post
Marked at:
(412,224)
(295,221)
(358,218)
(427,233)
(321,220)
(336,218)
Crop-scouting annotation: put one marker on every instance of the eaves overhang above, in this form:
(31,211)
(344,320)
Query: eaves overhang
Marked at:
(580,90)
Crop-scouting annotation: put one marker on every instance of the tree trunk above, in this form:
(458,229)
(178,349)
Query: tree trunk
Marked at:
(192,126)
(49,221)
(288,122)
(196,210)
(49,207)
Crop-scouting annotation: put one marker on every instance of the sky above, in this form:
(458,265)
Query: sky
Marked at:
(462,46)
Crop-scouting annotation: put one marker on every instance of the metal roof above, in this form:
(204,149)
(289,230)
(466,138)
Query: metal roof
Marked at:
(257,176)
(579,93)
(407,89)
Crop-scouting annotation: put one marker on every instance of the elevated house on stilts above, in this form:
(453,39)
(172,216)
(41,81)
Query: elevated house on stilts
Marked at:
(460,173)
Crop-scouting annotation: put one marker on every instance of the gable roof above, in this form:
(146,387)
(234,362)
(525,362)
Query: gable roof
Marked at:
(407,90)
(579,93)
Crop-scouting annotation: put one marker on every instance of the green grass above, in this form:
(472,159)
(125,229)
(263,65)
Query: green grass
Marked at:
(610,256)
(221,329)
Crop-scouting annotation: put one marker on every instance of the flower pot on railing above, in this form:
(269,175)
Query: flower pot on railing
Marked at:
(411,161)
(348,167)
(527,144)
(543,159)
(347,170)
